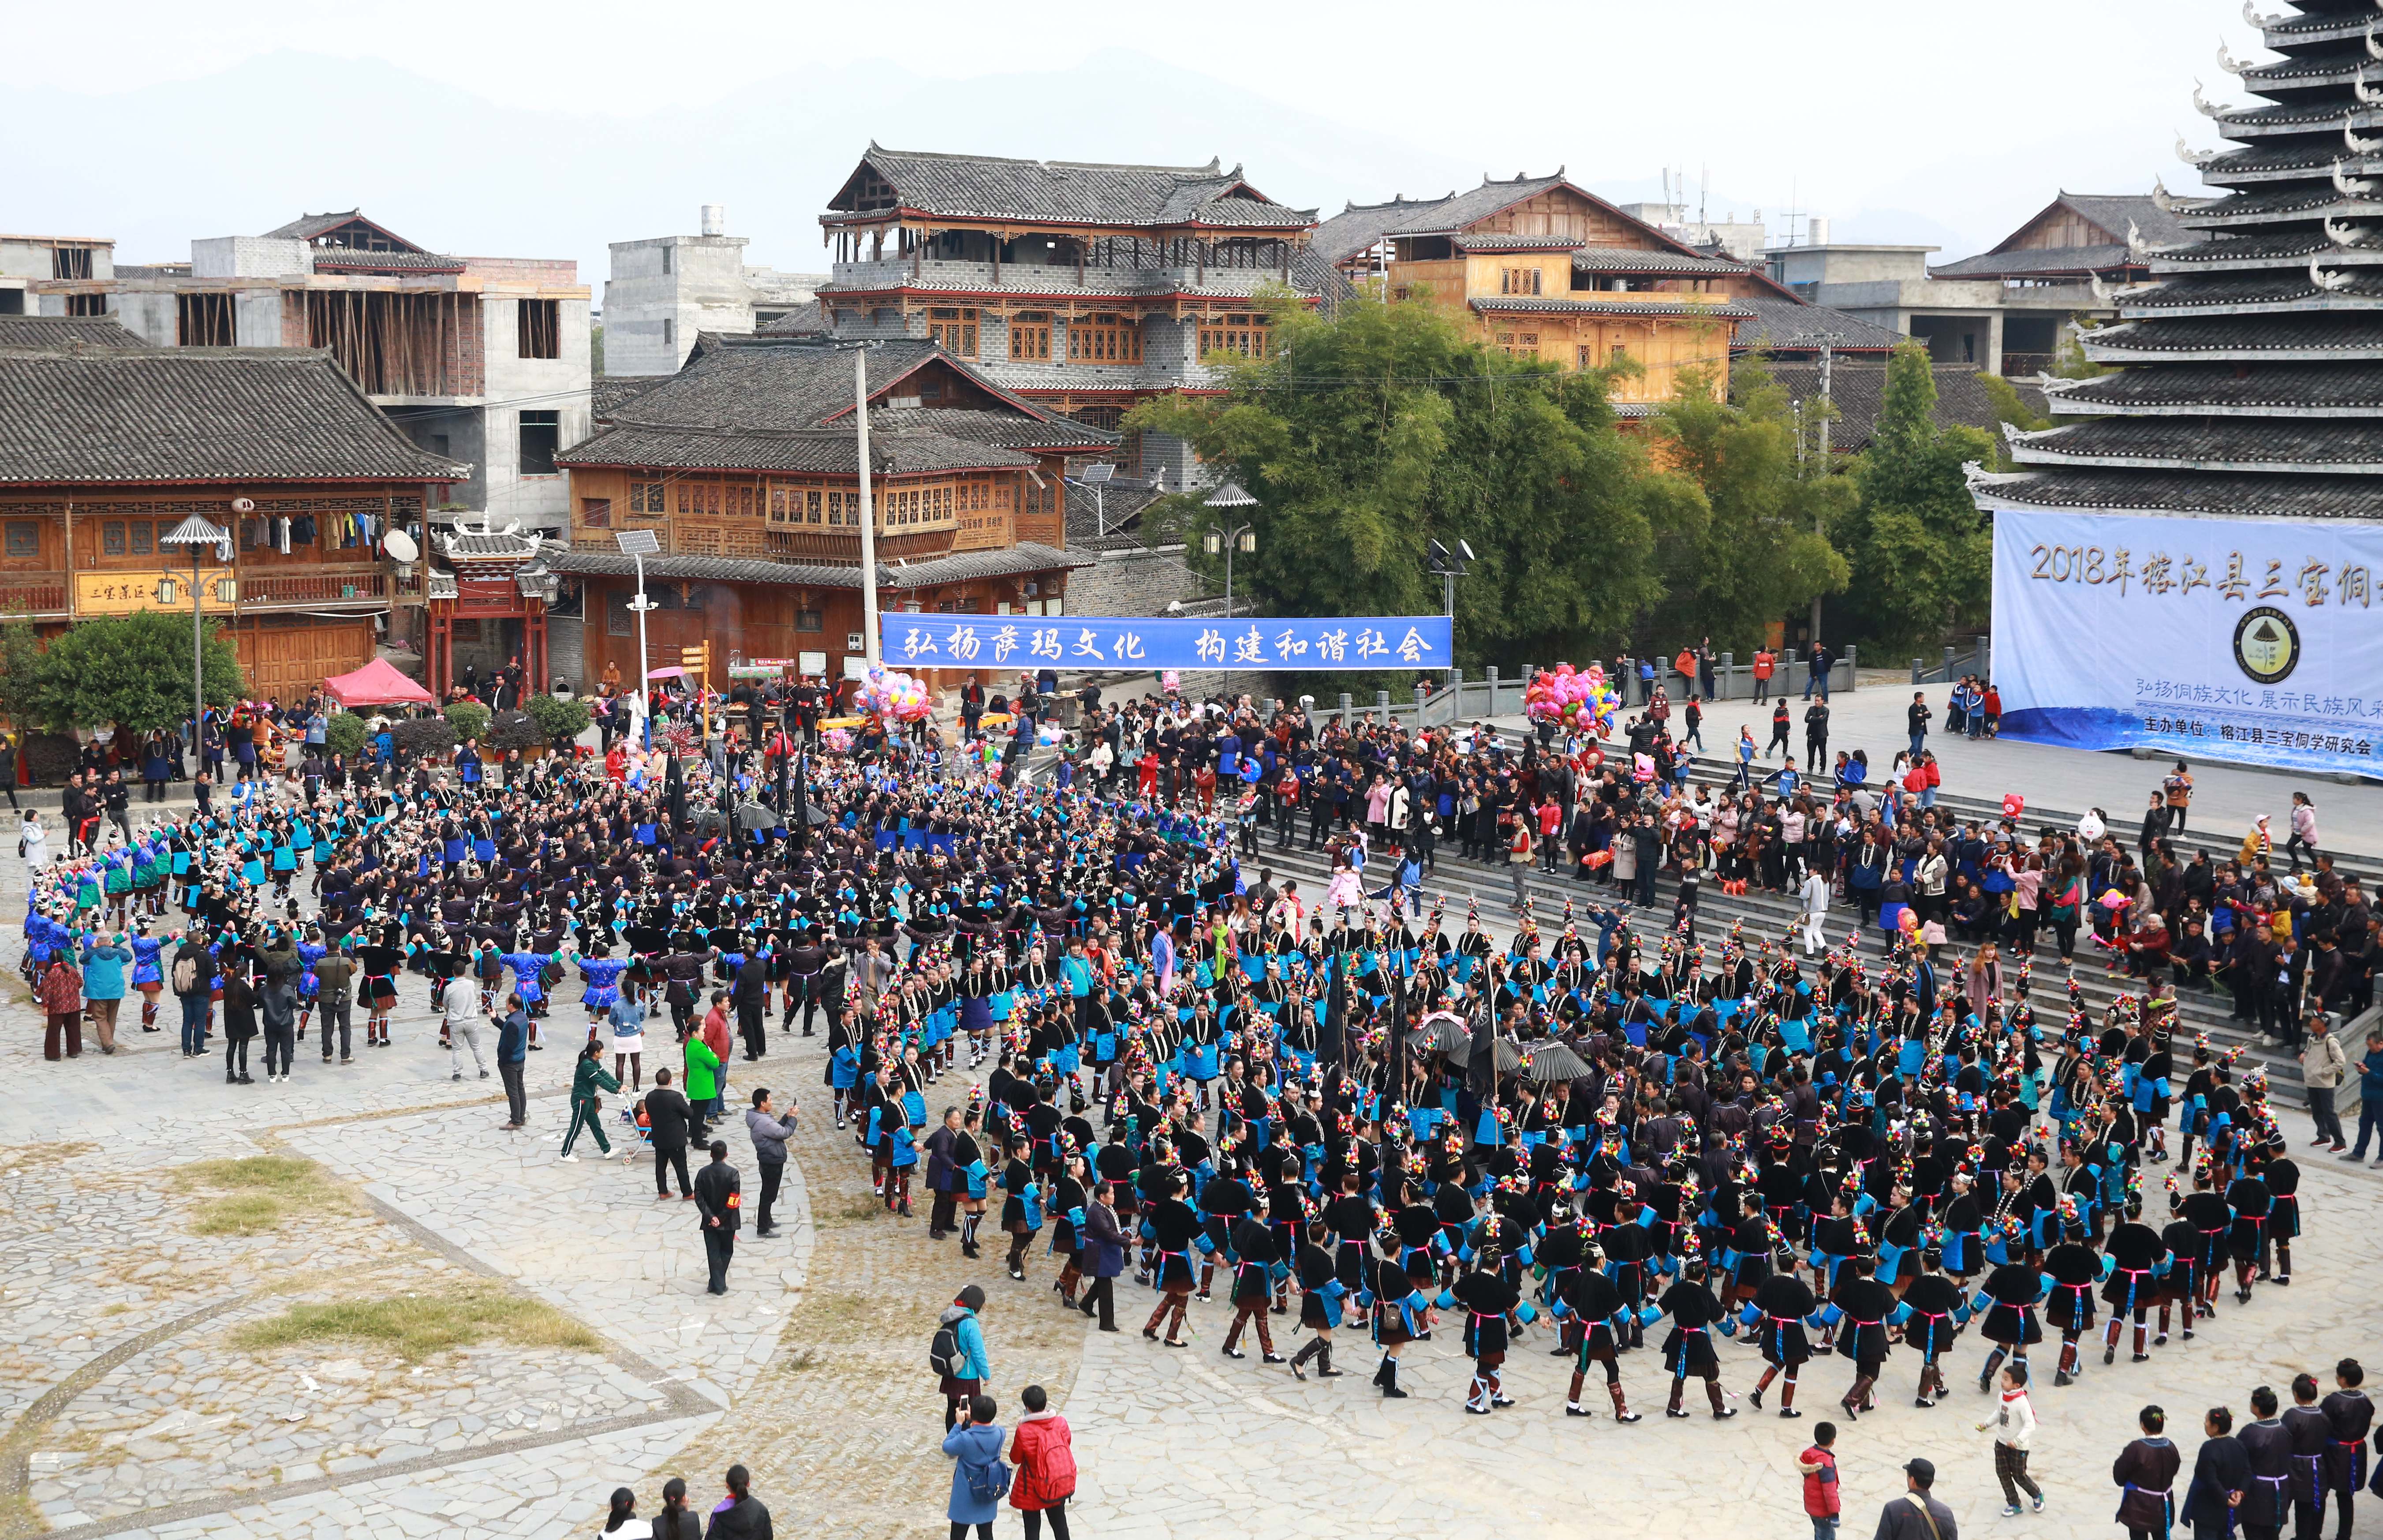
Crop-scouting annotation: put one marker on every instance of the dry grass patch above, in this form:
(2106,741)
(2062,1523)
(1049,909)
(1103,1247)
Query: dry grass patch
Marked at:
(256,1194)
(848,1208)
(416,1326)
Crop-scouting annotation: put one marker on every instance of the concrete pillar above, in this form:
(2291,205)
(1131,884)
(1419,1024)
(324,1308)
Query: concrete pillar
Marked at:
(1725,678)
(1491,672)
(1382,704)
(1348,708)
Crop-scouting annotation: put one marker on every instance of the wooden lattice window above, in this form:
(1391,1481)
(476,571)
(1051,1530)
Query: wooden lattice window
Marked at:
(1029,338)
(955,328)
(646,498)
(1518,280)
(1245,335)
(1105,339)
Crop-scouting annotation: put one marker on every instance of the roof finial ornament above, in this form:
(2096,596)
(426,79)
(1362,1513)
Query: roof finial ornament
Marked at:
(2329,281)
(2341,232)
(2359,147)
(2354,187)
(2226,59)
(2374,47)
(2162,199)
(2263,22)
(2194,158)
(2103,293)
(2368,94)
(2203,107)
(2135,240)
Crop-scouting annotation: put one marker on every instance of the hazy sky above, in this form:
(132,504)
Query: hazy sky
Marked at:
(533,129)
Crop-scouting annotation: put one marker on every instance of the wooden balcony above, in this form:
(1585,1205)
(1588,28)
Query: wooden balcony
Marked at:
(33,595)
(324,585)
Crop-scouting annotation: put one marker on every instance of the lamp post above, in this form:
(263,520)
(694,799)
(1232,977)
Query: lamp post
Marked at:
(197,534)
(1243,538)
(1450,565)
(869,644)
(637,545)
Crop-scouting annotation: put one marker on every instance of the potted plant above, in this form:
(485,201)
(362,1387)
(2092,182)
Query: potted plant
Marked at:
(560,722)
(470,719)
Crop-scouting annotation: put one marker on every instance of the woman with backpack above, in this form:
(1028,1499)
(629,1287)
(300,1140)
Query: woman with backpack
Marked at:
(1045,1459)
(979,1478)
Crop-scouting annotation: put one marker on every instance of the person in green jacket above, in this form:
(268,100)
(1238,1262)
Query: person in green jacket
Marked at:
(588,1078)
(702,1082)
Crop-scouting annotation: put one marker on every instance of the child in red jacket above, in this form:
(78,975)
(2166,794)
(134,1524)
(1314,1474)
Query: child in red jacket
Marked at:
(1822,1502)
(1046,1465)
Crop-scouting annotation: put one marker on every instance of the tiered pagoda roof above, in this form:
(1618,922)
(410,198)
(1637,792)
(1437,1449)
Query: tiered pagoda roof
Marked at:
(2252,360)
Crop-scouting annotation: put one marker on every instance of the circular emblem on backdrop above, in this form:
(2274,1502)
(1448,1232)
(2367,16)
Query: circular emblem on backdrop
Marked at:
(2267,645)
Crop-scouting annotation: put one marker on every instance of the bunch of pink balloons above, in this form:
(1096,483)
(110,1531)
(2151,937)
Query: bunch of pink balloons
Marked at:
(1579,700)
(894,696)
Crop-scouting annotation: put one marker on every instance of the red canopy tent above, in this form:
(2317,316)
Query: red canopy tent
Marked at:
(376,683)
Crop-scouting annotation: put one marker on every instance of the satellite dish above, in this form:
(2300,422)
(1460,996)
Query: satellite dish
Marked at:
(401,547)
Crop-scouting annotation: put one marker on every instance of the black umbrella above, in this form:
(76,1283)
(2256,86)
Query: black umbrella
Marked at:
(752,817)
(1442,1032)
(1550,1062)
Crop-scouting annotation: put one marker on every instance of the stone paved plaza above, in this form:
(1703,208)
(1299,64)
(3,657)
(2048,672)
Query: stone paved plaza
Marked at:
(133,1407)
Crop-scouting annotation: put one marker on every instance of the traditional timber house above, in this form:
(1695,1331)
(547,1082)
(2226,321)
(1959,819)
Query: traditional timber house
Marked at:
(746,466)
(105,445)
(1545,269)
(1083,288)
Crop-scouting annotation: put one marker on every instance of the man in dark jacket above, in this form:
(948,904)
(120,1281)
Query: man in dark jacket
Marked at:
(335,978)
(750,994)
(720,1198)
(1107,1242)
(667,1116)
(1917,1515)
(940,1175)
(743,1517)
(512,1053)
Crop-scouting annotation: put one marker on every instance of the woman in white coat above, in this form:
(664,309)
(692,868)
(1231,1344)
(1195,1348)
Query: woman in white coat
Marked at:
(34,841)
(1814,892)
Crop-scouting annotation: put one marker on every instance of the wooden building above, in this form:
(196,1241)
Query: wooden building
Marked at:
(746,467)
(1545,269)
(107,444)
(1085,288)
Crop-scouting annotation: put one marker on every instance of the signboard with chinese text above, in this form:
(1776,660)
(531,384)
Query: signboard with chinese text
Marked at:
(2251,640)
(1025,643)
(126,593)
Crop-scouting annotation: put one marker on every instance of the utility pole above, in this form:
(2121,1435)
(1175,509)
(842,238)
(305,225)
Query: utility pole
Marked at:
(1828,359)
(868,509)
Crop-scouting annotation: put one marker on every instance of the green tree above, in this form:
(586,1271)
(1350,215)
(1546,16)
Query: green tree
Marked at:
(1366,435)
(1920,550)
(1760,551)
(132,670)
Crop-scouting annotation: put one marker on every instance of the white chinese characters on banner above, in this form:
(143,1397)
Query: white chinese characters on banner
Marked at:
(980,642)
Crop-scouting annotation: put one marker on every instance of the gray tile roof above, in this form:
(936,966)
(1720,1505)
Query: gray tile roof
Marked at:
(805,319)
(340,259)
(1502,242)
(961,567)
(2223,494)
(1858,391)
(781,405)
(66,333)
(2287,289)
(174,414)
(1631,259)
(1068,192)
(306,226)
(2111,213)
(2042,261)
(1787,325)
(2211,444)
(2346,334)
(1360,224)
(608,393)
(2353,389)
(1719,308)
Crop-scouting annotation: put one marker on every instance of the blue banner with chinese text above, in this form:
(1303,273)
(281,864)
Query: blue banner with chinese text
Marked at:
(1027,641)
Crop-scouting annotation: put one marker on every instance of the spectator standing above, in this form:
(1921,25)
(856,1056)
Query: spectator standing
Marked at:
(622,1523)
(1816,673)
(1106,1239)
(979,1479)
(1766,663)
(667,1117)
(513,1054)
(104,975)
(2178,790)
(61,992)
(2013,1425)
(1823,1498)
(967,1370)
(769,1136)
(2322,1067)
(2370,1098)
(1041,1450)
(334,992)
(2303,835)
(1917,1515)
(720,1198)
(676,1521)
(1916,721)
(2221,1472)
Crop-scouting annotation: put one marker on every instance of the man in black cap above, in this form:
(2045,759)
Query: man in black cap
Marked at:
(1917,1515)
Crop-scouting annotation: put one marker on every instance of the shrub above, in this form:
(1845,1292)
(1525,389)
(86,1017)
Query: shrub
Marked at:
(345,733)
(512,730)
(561,721)
(50,757)
(470,720)
(420,735)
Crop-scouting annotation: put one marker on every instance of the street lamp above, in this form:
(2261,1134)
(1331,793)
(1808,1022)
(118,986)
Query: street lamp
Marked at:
(197,534)
(1451,566)
(1244,538)
(637,545)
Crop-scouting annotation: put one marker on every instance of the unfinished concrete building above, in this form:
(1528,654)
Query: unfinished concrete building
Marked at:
(664,292)
(483,359)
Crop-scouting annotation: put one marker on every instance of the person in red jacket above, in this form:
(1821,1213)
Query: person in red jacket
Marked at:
(1822,1500)
(1045,1459)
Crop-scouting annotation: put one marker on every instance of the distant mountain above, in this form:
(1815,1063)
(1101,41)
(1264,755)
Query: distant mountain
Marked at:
(252,147)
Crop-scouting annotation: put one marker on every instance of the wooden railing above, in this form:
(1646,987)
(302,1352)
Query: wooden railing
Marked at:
(327,585)
(32,594)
